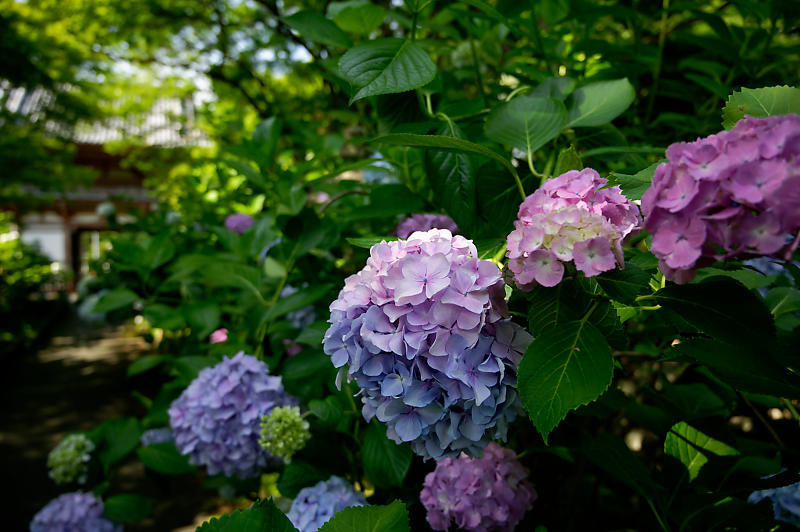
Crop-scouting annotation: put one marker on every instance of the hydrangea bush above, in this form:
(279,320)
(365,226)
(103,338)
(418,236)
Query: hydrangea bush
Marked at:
(420,330)
(315,505)
(69,460)
(215,421)
(485,494)
(735,194)
(73,512)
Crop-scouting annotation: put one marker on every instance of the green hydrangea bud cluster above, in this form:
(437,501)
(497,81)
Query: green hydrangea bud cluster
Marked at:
(284,432)
(69,460)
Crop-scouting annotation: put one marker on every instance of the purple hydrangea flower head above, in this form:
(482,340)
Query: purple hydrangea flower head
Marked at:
(570,218)
(735,194)
(424,222)
(315,505)
(785,502)
(419,329)
(487,494)
(154,436)
(239,223)
(215,421)
(73,512)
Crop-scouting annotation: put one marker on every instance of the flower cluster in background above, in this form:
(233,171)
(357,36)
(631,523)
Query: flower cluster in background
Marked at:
(69,460)
(480,494)
(155,436)
(732,194)
(284,432)
(785,502)
(424,222)
(420,329)
(219,336)
(239,223)
(215,421)
(76,511)
(315,505)
(570,218)
(301,318)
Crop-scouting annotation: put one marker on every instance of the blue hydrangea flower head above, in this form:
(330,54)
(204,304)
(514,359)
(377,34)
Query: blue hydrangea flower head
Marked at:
(785,502)
(420,330)
(73,512)
(69,460)
(315,505)
(215,421)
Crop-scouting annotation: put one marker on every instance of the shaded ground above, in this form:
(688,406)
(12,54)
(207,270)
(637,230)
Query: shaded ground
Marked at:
(76,383)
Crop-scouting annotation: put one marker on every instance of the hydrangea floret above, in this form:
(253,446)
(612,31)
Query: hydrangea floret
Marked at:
(155,436)
(734,194)
(284,432)
(76,511)
(69,460)
(239,223)
(484,494)
(315,505)
(215,421)
(785,502)
(419,329)
(571,218)
(424,222)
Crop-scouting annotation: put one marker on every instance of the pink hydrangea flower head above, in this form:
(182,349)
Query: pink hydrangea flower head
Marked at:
(570,218)
(239,223)
(218,336)
(424,222)
(735,194)
(420,330)
(484,494)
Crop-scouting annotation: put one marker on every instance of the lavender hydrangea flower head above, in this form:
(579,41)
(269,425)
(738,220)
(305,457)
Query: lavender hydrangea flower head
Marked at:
(785,502)
(77,511)
(570,218)
(735,194)
(239,223)
(315,505)
(419,329)
(215,421)
(155,436)
(484,494)
(424,222)
(69,460)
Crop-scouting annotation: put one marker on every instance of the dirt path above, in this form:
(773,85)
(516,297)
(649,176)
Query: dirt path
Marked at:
(76,383)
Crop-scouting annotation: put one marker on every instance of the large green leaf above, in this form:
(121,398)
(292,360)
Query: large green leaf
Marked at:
(301,298)
(693,447)
(329,411)
(265,139)
(145,363)
(298,475)
(763,102)
(126,507)
(564,368)
(260,517)
(386,66)
(357,16)
(386,463)
(203,317)
(164,458)
(526,122)
(390,518)
(624,285)
(634,185)
(599,103)
(159,250)
(452,177)
(115,299)
(314,26)
(121,436)
(782,300)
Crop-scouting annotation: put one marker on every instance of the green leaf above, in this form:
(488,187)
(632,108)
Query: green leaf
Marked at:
(260,517)
(452,176)
(763,102)
(305,364)
(313,334)
(385,462)
(693,447)
(389,518)
(265,139)
(115,299)
(329,410)
(301,298)
(564,368)
(120,437)
(624,285)
(126,507)
(568,159)
(526,122)
(164,316)
(251,174)
(386,66)
(164,458)
(634,186)
(610,454)
(357,17)
(145,363)
(782,300)
(203,317)
(314,26)
(159,250)
(367,242)
(442,142)
(298,475)
(559,88)
(599,103)
(722,308)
